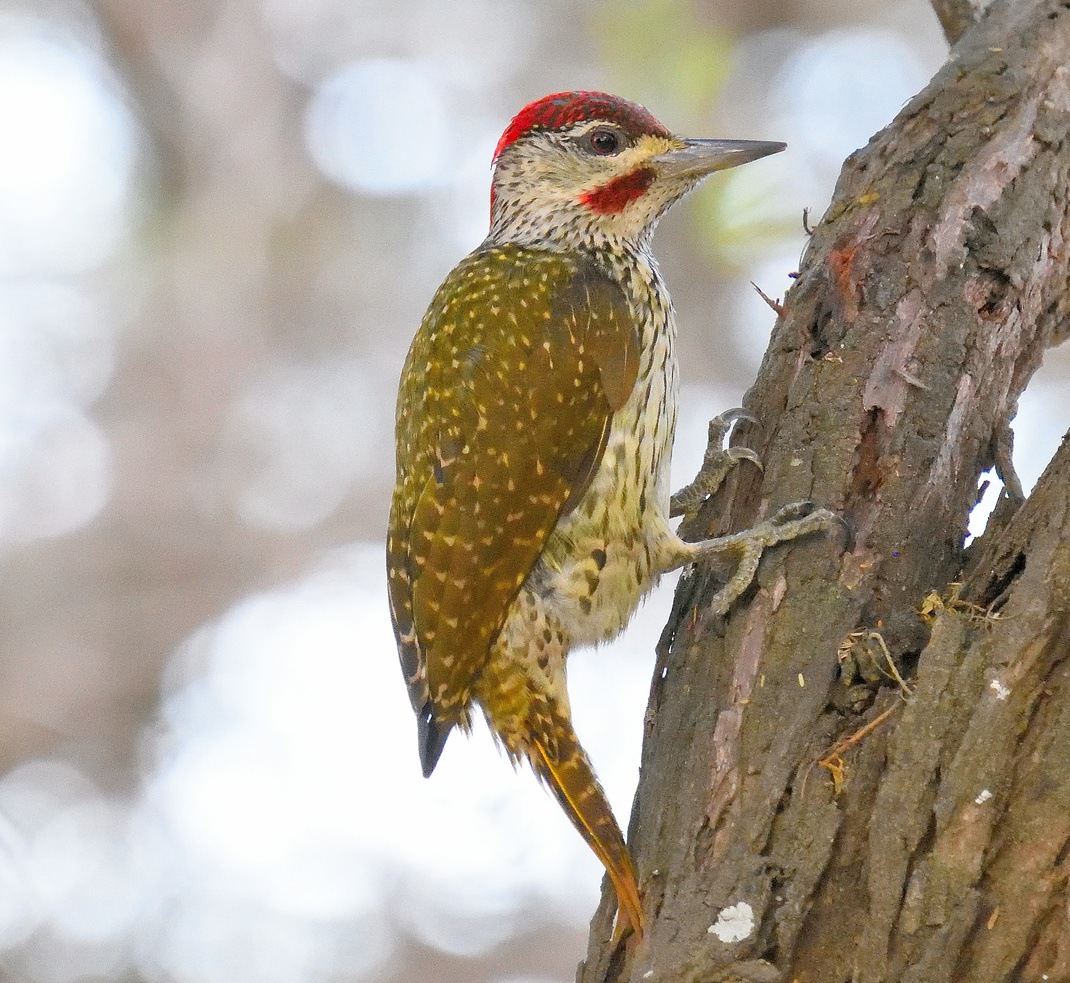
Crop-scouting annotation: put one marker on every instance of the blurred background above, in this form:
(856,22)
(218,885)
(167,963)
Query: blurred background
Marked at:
(220,223)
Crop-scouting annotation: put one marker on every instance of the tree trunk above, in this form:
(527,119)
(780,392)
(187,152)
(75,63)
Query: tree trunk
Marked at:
(789,825)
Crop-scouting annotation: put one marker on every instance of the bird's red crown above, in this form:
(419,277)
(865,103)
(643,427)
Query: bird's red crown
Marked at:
(565,108)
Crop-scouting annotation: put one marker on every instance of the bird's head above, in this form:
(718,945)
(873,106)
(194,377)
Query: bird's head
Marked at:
(587,168)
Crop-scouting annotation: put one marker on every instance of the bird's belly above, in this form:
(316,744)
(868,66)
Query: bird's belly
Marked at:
(626,578)
(603,557)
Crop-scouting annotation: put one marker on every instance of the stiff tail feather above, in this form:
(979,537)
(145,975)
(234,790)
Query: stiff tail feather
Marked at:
(573,781)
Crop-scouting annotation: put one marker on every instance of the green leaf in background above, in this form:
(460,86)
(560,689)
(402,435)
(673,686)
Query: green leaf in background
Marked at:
(742,214)
(663,55)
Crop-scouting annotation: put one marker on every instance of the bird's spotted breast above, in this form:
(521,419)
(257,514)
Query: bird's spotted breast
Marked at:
(603,556)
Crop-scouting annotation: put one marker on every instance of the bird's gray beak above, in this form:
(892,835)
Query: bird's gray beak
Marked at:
(697,158)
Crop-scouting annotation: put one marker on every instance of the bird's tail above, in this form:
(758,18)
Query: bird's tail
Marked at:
(568,771)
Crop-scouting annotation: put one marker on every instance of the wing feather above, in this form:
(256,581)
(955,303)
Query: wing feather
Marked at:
(499,432)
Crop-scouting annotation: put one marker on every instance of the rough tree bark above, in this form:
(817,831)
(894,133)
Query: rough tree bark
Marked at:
(932,843)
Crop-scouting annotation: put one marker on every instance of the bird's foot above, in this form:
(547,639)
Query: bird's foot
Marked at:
(790,522)
(717,464)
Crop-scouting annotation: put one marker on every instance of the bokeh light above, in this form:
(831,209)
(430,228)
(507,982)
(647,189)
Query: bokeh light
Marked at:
(68,154)
(64,176)
(381,126)
(283,807)
(834,92)
(300,439)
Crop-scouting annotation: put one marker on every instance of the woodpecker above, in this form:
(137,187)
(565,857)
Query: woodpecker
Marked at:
(535,421)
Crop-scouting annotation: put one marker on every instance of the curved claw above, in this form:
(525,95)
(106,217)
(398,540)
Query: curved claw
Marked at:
(737,413)
(722,424)
(791,512)
(717,464)
(745,454)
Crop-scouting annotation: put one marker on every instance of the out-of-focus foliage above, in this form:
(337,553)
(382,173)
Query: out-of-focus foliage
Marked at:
(665,53)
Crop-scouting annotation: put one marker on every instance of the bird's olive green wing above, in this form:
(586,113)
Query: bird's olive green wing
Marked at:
(503,414)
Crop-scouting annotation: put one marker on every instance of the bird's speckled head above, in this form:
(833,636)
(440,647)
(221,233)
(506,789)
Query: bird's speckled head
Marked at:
(588,168)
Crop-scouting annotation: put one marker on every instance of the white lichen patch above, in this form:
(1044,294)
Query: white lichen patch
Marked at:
(734,923)
(1001,691)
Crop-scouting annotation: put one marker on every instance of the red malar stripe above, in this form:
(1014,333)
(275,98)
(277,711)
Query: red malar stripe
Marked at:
(619,193)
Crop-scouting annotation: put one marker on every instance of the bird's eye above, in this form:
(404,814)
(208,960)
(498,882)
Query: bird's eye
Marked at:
(603,140)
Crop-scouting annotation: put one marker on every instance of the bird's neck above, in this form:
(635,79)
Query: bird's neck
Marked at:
(617,255)
(570,227)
